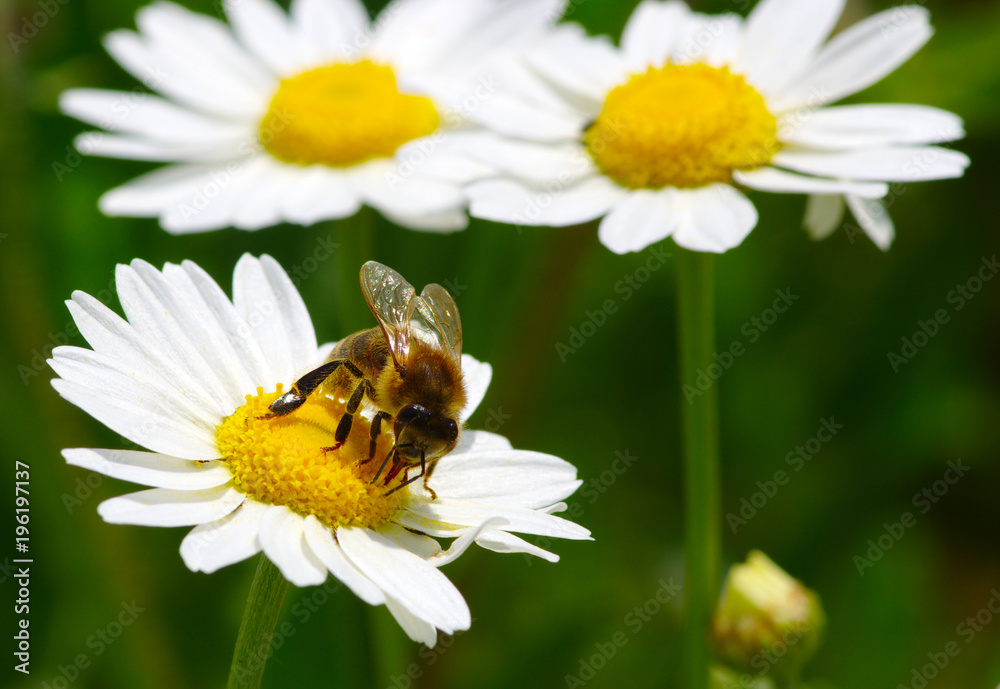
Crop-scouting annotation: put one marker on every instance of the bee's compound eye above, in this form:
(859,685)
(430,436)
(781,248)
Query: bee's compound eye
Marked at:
(409,414)
(451,430)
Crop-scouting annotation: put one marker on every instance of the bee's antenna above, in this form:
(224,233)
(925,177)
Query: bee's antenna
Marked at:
(385,461)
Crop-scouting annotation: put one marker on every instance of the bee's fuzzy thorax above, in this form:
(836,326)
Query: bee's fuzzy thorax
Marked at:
(430,378)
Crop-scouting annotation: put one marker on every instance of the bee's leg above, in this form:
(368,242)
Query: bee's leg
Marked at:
(375,432)
(423,472)
(427,476)
(303,387)
(392,454)
(347,420)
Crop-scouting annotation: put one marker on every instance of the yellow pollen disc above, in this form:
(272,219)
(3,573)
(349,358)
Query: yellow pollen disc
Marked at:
(281,461)
(342,115)
(681,126)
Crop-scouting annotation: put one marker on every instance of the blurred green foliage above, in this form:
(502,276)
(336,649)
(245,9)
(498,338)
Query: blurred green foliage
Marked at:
(536,623)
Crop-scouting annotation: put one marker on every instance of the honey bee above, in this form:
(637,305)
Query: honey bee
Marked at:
(409,367)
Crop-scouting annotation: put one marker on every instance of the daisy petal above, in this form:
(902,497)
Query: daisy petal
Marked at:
(584,66)
(782,36)
(503,542)
(264,29)
(415,628)
(263,208)
(897,164)
(382,186)
(110,378)
(275,315)
(859,57)
(652,33)
(294,314)
(162,507)
(415,33)
(417,543)
(197,341)
(521,519)
(874,219)
(643,218)
(477,376)
(150,468)
(149,116)
(511,477)
(217,200)
(282,539)
(160,69)
(462,543)
(131,148)
(713,39)
(208,324)
(318,193)
(503,200)
(431,527)
(480,441)
(222,311)
(715,218)
(443,221)
(589,199)
(212,546)
(204,51)
(823,215)
(418,586)
(876,126)
(449,162)
(159,314)
(323,544)
(150,194)
(530,161)
(334,28)
(783,182)
(499,28)
(436,35)
(507,114)
(134,419)
(119,346)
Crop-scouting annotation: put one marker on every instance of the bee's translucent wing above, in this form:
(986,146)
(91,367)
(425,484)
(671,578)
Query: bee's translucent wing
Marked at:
(392,299)
(438,311)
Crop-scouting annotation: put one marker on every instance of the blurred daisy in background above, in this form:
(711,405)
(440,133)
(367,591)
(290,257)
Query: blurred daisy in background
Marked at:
(185,376)
(303,117)
(660,135)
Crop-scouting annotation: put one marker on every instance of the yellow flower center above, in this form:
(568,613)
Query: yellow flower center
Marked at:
(282,461)
(342,115)
(681,126)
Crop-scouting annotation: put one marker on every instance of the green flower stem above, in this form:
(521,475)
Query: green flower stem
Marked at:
(267,594)
(700,429)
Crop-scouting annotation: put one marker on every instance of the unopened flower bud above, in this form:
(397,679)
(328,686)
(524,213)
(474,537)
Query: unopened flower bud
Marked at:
(767,623)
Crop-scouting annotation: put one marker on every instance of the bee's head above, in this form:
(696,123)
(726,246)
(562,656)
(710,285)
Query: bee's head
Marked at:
(420,432)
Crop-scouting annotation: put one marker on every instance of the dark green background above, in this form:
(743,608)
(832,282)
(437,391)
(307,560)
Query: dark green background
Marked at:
(534,621)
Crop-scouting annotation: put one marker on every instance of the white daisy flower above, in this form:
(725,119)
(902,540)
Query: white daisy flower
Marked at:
(659,134)
(303,117)
(185,376)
